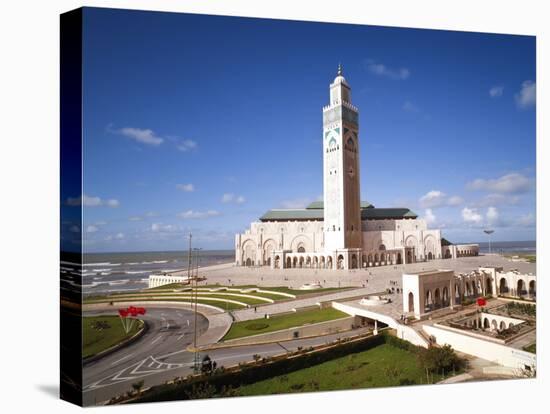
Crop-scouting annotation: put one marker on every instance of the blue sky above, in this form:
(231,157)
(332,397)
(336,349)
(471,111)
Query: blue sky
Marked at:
(202,123)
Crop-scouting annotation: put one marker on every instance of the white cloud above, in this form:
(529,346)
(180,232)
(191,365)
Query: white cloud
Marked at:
(151,214)
(118,236)
(301,202)
(191,214)
(91,229)
(232,198)
(159,227)
(455,201)
(470,215)
(382,70)
(436,198)
(144,136)
(429,216)
(527,95)
(497,199)
(410,107)
(527,220)
(135,218)
(186,187)
(496,91)
(509,183)
(88,201)
(186,145)
(492,215)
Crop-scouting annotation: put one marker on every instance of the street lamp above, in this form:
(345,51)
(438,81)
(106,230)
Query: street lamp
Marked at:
(489,232)
(196,298)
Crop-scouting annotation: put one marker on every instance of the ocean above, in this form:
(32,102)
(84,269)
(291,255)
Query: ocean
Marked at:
(507,247)
(117,272)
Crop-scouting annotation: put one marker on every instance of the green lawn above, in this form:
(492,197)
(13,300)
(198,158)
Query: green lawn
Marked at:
(531,258)
(185,296)
(102,332)
(276,323)
(531,348)
(382,366)
(222,305)
(299,292)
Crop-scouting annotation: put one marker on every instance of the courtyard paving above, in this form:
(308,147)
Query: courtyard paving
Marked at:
(364,281)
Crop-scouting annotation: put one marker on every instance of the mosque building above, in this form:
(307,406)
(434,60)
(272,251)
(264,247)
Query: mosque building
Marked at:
(341,232)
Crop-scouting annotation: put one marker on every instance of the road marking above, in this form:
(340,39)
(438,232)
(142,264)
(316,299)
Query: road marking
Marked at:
(122,359)
(156,339)
(181,336)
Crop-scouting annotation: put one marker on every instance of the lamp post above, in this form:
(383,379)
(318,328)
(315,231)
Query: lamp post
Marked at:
(489,232)
(196,359)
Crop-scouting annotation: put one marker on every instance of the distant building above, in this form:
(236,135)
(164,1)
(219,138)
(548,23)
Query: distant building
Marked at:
(341,232)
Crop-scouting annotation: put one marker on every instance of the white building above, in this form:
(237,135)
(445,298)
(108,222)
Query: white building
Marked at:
(342,232)
(431,290)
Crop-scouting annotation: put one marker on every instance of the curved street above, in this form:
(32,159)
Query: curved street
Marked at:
(161,354)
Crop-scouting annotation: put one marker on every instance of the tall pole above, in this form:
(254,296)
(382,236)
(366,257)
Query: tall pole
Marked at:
(488,233)
(196,356)
(189,258)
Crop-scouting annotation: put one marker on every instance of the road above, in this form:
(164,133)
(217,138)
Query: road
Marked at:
(161,355)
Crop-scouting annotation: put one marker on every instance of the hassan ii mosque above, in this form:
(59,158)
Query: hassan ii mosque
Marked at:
(341,232)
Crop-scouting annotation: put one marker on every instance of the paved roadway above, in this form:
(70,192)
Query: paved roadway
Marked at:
(161,355)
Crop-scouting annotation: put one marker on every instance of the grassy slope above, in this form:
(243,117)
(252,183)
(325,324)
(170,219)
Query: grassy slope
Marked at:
(217,303)
(247,328)
(382,366)
(531,348)
(95,341)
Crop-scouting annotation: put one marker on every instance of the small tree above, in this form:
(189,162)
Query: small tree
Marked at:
(137,386)
(208,366)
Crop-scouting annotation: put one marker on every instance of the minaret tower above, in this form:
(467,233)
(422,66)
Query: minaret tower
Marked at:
(342,202)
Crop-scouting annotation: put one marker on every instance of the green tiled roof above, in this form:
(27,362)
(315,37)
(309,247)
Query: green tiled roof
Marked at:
(445,242)
(386,213)
(291,215)
(316,205)
(316,214)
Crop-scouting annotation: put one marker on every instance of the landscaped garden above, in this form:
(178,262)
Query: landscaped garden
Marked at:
(224,297)
(382,366)
(277,323)
(103,332)
(531,348)
(376,361)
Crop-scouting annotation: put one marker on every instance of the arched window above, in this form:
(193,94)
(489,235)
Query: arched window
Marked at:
(382,247)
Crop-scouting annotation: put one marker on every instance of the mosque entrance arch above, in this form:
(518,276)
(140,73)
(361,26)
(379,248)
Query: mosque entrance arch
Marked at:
(354,261)
(340,262)
(411,302)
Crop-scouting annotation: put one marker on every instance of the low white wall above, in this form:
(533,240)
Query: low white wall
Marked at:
(403,331)
(500,354)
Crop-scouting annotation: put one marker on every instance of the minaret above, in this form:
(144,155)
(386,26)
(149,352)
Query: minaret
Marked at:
(342,205)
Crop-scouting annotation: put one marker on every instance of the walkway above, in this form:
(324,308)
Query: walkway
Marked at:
(286,306)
